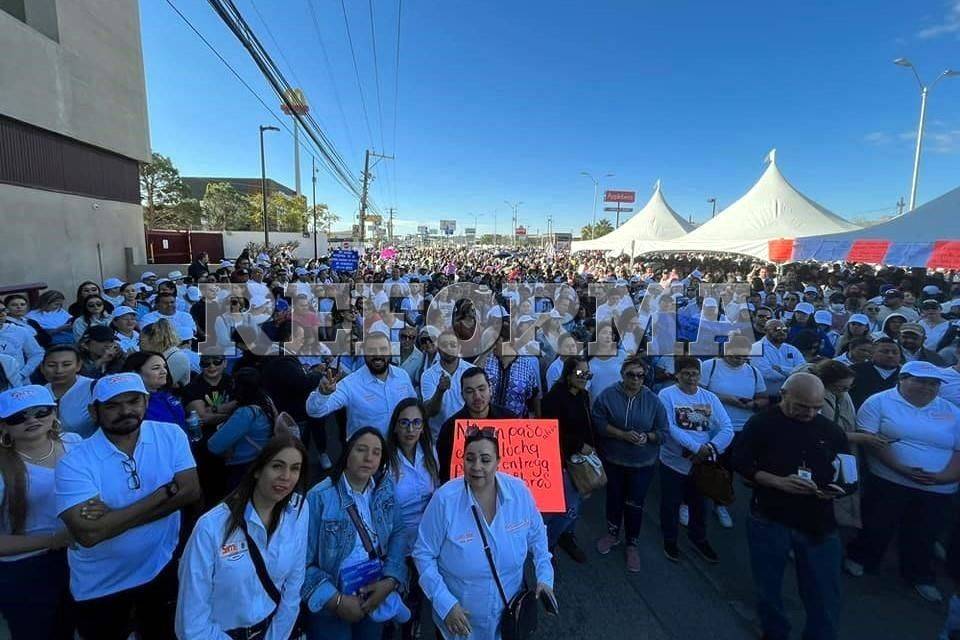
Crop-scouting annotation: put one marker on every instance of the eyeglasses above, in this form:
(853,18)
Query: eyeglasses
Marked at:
(583,375)
(406,336)
(490,433)
(33,412)
(410,425)
(130,466)
(635,375)
(211,362)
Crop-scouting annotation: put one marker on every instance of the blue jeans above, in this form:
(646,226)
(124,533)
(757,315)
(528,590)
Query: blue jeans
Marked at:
(817,562)
(559,523)
(626,491)
(323,625)
(676,488)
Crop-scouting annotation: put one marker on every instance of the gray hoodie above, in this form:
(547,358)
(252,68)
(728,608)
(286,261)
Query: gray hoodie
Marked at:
(642,412)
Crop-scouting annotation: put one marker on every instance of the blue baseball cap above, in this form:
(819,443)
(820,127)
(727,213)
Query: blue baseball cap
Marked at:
(19,398)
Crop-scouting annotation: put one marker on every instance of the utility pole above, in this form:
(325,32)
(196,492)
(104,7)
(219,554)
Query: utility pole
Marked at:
(263,185)
(900,205)
(366,184)
(391,211)
(313,165)
(713,201)
(515,207)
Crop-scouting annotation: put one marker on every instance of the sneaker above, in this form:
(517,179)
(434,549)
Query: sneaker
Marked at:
(671,551)
(706,551)
(606,543)
(684,515)
(325,463)
(853,568)
(929,592)
(568,542)
(633,559)
(726,521)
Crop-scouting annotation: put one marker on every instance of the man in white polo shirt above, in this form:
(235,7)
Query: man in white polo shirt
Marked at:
(778,358)
(166,309)
(440,383)
(912,479)
(370,393)
(120,493)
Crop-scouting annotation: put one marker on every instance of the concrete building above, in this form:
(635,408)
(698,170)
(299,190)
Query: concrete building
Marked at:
(73,130)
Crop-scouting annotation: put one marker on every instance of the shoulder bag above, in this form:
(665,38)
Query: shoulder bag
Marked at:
(519,618)
(586,472)
(714,482)
(259,630)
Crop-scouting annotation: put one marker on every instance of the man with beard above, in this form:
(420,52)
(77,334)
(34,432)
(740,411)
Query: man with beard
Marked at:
(370,393)
(440,383)
(476,392)
(120,493)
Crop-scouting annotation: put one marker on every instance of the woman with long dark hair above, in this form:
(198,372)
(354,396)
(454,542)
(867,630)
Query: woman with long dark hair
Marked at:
(412,460)
(93,312)
(221,590)
(355,548)
(86,289)
(248,428)
(34,577)
(162,405)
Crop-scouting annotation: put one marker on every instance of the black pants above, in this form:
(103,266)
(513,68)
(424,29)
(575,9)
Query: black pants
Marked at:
(35,597)
(148,609)
(675,489)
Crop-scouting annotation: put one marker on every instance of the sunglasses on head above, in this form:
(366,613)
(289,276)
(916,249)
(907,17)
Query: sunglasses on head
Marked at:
(21,416)
(490,433)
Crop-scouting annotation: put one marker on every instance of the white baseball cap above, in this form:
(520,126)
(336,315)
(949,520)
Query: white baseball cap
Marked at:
(920,369)
(109,387)
(823,317)
(193,294)
(148,274)
(805,307)
(112,283)
(859,318)
(175,275)
(122,310)
(19,398)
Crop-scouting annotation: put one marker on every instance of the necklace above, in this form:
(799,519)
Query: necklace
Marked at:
(41,458)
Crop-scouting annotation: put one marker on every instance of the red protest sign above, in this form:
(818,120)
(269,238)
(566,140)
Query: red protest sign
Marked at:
(946,255)
(529,450)
(780,250)
(869,251)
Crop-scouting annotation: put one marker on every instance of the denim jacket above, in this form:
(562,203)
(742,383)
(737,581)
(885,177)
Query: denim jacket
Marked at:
(332,536)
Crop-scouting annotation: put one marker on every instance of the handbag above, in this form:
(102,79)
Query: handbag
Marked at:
(259,629)
(519,618)
(714,482)
(586,473)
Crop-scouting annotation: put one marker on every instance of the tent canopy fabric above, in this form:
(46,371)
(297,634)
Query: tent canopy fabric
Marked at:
(772,208)
(655,221)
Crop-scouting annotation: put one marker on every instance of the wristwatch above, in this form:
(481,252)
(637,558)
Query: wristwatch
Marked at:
(172,488)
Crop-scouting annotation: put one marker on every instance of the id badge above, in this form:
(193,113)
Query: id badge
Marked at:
(805,474)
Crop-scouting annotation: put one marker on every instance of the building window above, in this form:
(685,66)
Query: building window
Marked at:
(15,8)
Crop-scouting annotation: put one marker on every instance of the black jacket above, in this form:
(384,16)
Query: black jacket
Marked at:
(445,437)
(573,418)
(866,382)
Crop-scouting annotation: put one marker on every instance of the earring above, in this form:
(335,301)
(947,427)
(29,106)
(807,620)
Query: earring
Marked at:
(6,441)
(56,430)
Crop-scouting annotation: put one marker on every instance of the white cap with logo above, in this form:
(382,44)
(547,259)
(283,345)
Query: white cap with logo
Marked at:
(920,369)
(109,387)
(19,398)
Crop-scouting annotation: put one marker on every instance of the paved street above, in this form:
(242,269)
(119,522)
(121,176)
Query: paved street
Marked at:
(696,600)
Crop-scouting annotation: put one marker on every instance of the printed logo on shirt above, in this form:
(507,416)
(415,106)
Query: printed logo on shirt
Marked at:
(516,526)
(465,538)
(693,417)
(234,550)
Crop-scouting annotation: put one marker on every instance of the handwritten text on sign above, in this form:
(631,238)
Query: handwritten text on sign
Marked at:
(529,450)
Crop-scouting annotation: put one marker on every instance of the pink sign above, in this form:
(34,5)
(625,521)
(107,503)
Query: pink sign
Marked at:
(388,254)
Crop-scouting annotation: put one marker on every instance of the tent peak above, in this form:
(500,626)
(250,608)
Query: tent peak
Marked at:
(656,185)
(771,157)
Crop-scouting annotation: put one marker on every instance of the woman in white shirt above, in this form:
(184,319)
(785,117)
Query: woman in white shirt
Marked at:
(124,323)
(606,361)
(34,577)
(54,319)
(221,591)
(412,460)
(449,553)
(94,312)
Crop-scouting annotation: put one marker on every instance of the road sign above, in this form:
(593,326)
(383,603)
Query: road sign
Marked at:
(447,227)
(423,230)
(620,209)
(341,260)
(620,196)
(469,231)
(521,231)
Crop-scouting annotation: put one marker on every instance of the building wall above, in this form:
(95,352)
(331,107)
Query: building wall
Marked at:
(87,83)
(62,239)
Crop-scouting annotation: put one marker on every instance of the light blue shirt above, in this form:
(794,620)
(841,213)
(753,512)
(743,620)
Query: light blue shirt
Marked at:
(128,344)
(787,356)
(358,554)
(219,587)
(178,319)
(369,400)
(414,488)
(19,343)
(73,407)
(93,468)
(452,398)
(450,558)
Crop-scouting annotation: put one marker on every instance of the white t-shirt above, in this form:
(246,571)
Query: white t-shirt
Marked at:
(744,381)
(934,333)
(694,420)
(950,390)
(72,407)
(41,517)
(606,373)
(927,436)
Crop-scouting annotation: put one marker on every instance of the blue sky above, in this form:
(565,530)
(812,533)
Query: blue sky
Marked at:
(512,100)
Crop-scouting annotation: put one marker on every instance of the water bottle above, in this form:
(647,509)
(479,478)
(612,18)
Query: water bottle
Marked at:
(194,432)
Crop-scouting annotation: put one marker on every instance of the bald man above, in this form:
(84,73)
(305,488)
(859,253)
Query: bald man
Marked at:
(787,452)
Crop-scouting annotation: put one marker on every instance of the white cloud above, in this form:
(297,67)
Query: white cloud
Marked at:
(877,137)
(943,141)
(949,26)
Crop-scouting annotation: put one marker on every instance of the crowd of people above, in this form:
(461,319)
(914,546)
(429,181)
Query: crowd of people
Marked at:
(265,449)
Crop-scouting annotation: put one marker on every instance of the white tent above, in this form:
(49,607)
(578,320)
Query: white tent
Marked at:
(655,221)
(773,208)
(909,239)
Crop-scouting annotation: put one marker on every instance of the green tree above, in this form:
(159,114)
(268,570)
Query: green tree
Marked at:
(225,208)
(284,213)
(325,218)
(161,190)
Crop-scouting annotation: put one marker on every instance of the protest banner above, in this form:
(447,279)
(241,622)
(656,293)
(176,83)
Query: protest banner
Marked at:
(529,450)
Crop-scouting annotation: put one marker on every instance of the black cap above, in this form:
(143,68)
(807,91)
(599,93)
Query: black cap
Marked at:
(100,333)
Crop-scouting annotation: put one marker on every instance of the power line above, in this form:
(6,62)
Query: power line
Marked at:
(356,71)
(396,101)
(376,70)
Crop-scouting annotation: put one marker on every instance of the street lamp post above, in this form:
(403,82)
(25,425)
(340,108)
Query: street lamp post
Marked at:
(313,166)
(596,191)
(924,91)
(713,201)
(263,185)
(515,206)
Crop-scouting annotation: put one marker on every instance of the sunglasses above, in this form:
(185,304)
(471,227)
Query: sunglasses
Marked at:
(130,466)
(410,425)
(490,433)
(635,375)
(208,362)
(583,375)
(406,337)
(21,416)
